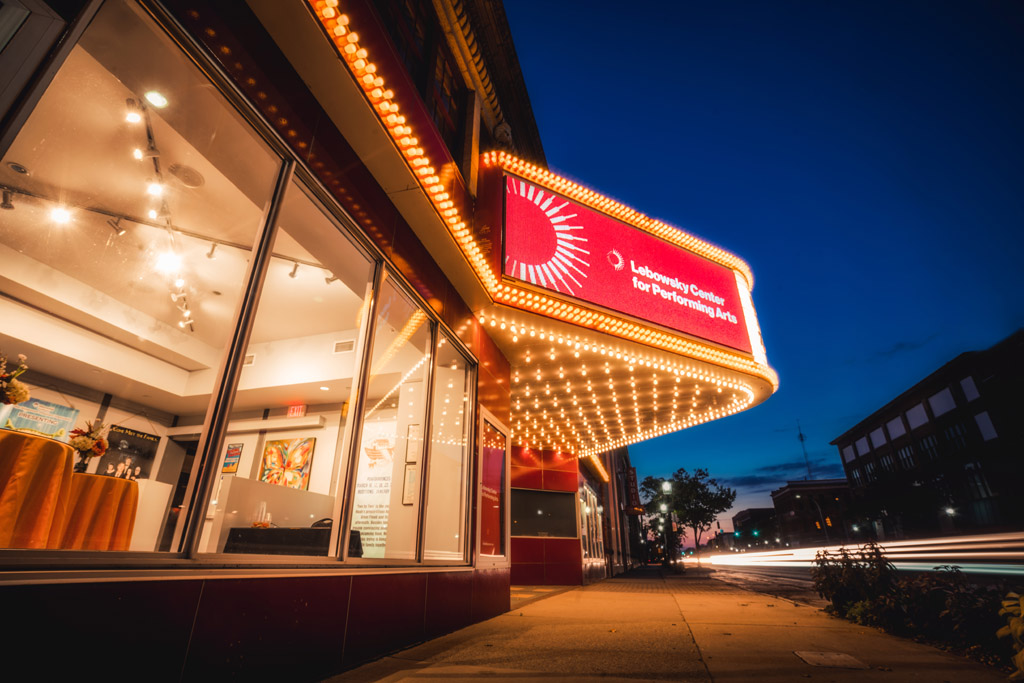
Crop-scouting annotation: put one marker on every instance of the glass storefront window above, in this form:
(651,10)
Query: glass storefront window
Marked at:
(132,197)
(386,502)
(591,533)
(282,462)
(493,452)
(447,466)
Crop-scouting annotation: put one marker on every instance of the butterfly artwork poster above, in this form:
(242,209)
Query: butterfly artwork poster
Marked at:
(287,462)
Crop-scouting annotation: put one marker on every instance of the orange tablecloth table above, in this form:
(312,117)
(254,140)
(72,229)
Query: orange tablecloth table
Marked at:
(101,513)
(35,482)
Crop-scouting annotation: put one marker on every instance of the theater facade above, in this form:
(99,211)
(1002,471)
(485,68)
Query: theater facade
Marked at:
(360,359)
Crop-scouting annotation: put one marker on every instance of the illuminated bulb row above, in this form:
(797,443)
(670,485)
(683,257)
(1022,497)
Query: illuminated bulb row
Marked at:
(545,178)
(553,308)
(387,110)
(523,334)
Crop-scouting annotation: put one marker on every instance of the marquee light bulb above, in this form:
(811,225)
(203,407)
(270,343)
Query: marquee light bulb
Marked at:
(60,215)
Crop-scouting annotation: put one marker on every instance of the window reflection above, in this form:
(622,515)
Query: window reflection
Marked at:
(449,446)
(385,507)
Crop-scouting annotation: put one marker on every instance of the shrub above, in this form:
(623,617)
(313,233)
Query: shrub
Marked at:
(845,578)
(1013,610)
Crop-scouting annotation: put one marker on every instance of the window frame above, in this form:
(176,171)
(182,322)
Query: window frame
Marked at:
(480,560)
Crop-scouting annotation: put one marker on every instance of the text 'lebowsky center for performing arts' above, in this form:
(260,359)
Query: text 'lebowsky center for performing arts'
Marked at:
(363,359)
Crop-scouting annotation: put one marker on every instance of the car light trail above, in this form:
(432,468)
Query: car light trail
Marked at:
(984,554)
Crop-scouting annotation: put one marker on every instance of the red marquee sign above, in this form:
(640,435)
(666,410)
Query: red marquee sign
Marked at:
(566,247)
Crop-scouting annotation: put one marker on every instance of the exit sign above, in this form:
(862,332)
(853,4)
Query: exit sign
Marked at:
(296,411)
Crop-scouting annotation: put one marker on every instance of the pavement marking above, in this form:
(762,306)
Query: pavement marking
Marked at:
(835,660)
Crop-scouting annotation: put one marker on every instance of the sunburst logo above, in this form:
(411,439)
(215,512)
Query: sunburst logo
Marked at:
(616,260)
(544,248)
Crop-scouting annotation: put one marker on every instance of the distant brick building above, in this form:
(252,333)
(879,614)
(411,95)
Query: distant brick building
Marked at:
(945,455)
(755,527)
(812,512)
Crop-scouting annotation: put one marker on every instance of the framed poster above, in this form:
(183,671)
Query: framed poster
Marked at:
(411,486)
(413,442)
(130,455)
(231,458)
(287,462)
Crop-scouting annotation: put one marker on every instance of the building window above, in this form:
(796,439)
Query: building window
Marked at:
(885,461)
(862,446)
(984,422)
(906,456)
(930,446)
(419,41)
(283,465)
(591,533)
(977,484)
(124,259)
(444,100)
(855,474)
(869,471)
(410,26)
(878,438)
(895,428)
(848,453)
(956,437)
(493,455)
(543,513)
(447,462)
(942,402)
(917,416)
(385,507)
(970,390)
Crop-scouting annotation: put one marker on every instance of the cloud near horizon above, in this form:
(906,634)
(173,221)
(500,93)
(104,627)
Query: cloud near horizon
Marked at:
(770,477)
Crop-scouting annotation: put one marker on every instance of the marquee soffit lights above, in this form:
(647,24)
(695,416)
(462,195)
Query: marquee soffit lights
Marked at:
(574,395)
(587,431)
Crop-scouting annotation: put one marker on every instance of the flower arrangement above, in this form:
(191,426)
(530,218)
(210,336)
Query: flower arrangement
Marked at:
(89,442)
(11,390)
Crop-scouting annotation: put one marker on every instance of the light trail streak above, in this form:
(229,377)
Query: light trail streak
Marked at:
(982,554)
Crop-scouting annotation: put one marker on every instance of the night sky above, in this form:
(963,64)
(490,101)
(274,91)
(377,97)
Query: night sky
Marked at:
(865,158)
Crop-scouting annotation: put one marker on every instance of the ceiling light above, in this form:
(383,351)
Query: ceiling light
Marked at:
(210,254)
(6,203)
(137,154)
(330,279)
(115,225)
(134,114)
(155,189)
(295,270)
(60,215)
(325,388)
(156,99)
(168,262)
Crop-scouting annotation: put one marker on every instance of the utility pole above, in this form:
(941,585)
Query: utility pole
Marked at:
(807,461)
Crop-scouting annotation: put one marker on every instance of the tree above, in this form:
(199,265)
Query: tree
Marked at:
(696,499)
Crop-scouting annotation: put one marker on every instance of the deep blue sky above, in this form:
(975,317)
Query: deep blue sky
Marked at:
(865,158)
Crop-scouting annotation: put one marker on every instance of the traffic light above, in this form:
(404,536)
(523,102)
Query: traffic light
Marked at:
(817,525)
(828,521)
(756,532)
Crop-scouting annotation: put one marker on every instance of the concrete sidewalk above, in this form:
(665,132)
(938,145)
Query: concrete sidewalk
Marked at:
(647,626)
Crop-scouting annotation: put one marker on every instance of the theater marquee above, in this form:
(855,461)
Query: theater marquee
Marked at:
(563,246)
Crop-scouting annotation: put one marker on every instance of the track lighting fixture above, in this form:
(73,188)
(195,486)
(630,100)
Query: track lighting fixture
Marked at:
(330,279)
(7,203)
(210,254)
(115,225)
(134,113)
(295,270)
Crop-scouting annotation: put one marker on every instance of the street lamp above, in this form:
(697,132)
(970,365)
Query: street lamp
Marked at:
(666,488)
